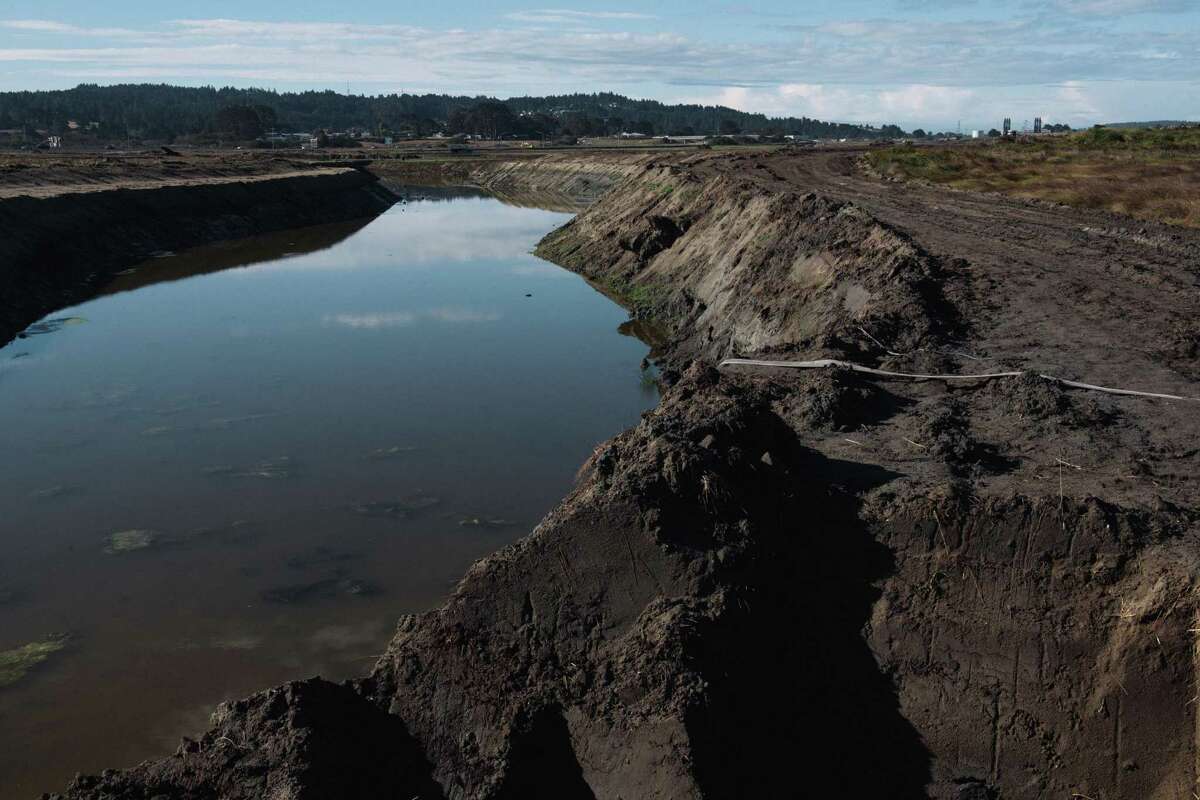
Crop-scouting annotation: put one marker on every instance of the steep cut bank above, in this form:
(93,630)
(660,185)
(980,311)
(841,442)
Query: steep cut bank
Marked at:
(736,269)
(60,246)
(794,583)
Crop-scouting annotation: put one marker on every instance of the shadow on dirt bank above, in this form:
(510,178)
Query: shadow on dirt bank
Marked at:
(689,624)
(798,704)
(544,763)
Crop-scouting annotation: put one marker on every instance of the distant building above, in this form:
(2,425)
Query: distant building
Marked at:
(1007,129)
(1037,124)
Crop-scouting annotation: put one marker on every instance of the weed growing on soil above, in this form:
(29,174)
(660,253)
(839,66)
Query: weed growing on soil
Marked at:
(642,299)
(15,664)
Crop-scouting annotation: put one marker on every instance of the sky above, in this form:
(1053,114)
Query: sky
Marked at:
(917,63)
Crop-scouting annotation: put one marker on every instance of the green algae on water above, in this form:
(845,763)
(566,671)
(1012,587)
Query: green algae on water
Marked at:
(15,664)
(128,541)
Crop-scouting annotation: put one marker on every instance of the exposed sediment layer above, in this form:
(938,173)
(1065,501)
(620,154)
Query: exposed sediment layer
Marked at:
(813,584)
(59,246)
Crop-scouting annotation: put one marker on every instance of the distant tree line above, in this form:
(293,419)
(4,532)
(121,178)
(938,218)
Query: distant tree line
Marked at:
(169,113)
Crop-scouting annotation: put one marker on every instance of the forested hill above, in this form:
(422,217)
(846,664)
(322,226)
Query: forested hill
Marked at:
(173,112)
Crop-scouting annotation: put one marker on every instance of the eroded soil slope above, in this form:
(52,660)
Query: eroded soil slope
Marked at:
(1039,624)
(810,583)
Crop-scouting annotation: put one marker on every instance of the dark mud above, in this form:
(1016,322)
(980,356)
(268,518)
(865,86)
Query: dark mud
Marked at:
(808,584)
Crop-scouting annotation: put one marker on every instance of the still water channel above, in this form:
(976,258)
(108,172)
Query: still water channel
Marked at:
(240,464)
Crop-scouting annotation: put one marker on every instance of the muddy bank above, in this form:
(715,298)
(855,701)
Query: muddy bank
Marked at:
(60,246)
(810,583)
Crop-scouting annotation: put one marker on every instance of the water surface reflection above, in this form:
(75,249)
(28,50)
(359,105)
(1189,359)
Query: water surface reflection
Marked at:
(223,476)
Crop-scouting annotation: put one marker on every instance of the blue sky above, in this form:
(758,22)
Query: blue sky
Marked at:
(929,63)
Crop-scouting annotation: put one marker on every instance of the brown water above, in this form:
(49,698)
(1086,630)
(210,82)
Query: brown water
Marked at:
(319,442)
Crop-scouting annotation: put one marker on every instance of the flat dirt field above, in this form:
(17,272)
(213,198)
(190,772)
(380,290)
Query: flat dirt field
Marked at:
(41,174)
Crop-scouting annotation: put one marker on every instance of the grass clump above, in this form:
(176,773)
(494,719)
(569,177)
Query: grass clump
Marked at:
(16,663)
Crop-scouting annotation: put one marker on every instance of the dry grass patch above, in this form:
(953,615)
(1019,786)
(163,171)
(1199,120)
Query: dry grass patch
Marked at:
(1148,174)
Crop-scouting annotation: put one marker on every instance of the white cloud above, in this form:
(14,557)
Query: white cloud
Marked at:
(53,26)
(557,15)
(462,315)
(373,320)
(923,72)
(540,271)
(1120,7)
(42,25)
(377,320)
(851,52)
(907,105)
(1077,103)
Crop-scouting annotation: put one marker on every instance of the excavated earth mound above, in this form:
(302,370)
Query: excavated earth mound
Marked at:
(813,583)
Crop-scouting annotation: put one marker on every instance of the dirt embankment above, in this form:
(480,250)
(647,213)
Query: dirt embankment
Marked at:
(1038,621)
(63,239)
(555,181)
(809,583)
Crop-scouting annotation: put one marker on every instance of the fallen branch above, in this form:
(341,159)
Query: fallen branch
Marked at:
(824,363)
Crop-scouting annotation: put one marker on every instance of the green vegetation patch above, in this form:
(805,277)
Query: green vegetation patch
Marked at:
(1152,139)
(642,299)
(15,664)
(932,164)
(129,541)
